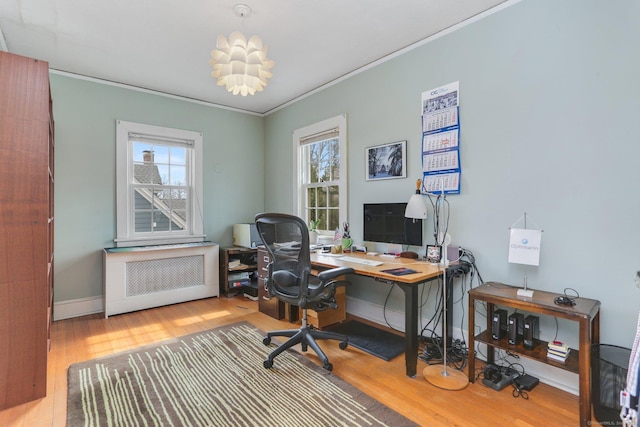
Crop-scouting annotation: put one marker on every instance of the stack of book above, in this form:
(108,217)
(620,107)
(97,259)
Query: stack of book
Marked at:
(558,351)
(235,264)
(238,280)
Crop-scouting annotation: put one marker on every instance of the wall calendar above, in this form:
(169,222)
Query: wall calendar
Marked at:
(440,139)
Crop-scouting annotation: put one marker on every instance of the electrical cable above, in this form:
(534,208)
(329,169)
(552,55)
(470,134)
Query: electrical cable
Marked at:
(567,299)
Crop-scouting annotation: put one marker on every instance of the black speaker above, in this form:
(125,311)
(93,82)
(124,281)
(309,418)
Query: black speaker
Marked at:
(516,328)
(531,331)
(499,324)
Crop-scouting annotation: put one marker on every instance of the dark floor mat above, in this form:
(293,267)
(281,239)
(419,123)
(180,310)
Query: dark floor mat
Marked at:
(377,342)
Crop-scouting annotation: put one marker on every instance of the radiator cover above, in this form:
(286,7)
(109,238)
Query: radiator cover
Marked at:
(151,276)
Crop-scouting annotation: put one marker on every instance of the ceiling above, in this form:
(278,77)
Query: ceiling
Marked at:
(164,45)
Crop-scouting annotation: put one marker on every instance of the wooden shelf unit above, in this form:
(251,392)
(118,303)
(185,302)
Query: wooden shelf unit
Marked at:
(539,351)
(586,312)
(26,229)
(236,253)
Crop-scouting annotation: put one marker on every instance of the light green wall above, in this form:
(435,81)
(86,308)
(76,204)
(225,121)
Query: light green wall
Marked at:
(549,91)
(549,94)
(85,113)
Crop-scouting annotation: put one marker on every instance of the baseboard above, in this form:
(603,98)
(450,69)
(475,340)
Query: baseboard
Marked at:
(389,317)
(77,307)
(555,377)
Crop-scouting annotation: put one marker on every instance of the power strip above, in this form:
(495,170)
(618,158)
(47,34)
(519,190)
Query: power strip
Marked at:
(504,381)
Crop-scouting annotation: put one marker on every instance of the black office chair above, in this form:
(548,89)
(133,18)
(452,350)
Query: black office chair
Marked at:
(286,237)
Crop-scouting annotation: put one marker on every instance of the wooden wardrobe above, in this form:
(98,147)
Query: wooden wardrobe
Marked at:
(26,228)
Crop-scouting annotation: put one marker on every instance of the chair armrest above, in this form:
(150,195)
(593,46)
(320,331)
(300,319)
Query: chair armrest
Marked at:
(327,275)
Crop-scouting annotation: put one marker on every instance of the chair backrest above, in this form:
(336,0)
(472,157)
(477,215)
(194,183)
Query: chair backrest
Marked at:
(286,237)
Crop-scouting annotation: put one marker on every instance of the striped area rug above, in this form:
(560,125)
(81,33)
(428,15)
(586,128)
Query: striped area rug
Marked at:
(216,378)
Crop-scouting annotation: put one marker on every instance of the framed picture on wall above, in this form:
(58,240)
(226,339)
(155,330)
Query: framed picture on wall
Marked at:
(386,161)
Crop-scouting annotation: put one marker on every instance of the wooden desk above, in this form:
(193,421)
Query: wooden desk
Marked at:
(586,312)
(408,283)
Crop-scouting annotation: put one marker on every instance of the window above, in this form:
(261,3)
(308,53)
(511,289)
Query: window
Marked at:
(321,173)
(159,185)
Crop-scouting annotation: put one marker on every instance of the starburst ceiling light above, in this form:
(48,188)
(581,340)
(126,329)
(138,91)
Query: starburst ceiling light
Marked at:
(241,66)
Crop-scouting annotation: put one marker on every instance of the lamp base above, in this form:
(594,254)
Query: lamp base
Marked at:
(450,379)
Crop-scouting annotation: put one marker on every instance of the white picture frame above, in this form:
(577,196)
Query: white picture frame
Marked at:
(386,161)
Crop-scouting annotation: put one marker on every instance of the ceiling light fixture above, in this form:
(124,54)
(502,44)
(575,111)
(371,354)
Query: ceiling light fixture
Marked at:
(241,66)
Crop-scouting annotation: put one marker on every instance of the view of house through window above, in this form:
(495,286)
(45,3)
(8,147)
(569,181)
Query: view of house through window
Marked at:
(321,174)
(159,185)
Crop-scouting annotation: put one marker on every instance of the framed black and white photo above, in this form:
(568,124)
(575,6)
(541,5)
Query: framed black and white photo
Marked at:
(386,161)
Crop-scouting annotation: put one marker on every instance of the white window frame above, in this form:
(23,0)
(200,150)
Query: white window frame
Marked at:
(125,230)
(338,123)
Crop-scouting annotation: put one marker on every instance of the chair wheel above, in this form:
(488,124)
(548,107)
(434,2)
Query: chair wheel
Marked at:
(343,345)
(328,366)
(267,363)
(266,341)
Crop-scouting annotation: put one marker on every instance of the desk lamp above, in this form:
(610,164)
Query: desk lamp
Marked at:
(416,207)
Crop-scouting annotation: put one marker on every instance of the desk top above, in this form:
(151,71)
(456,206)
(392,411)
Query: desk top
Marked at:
(424,270)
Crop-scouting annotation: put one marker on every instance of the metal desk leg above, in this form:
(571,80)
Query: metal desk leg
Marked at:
(472,329)
(410,328)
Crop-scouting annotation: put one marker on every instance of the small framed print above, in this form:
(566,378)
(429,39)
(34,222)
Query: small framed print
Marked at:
(434,254)
(386,161)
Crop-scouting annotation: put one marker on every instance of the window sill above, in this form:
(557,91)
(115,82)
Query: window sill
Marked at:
(158,241)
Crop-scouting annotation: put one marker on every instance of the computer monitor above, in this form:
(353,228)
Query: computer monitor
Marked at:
(386,223)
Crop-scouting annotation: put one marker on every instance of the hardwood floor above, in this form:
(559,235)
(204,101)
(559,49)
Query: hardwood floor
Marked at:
(79,339)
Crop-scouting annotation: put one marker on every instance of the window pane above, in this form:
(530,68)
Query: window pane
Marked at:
(312,215)
(322,225)
(141,151)
(161,220)
(334,219)
(177,175)
(142,220)
(163,174)
(161,154)
(178,155)
(324,171)
(335,157)
(146,173)
(322,160)
(322,197)
(312,197)
(142,198)
(178,219)
(334,196)
(311,153)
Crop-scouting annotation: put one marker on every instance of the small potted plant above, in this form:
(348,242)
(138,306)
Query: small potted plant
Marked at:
(313,234)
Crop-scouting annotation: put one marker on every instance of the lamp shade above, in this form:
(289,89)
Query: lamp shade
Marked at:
(241,66)
(416,207)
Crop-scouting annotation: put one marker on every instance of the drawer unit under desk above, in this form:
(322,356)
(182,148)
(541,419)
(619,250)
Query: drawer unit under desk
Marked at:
(268,305)
(328,317)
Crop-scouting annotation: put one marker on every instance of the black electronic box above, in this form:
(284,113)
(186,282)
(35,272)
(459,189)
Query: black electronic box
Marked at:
(499,324)
(516,328)
(531,331)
